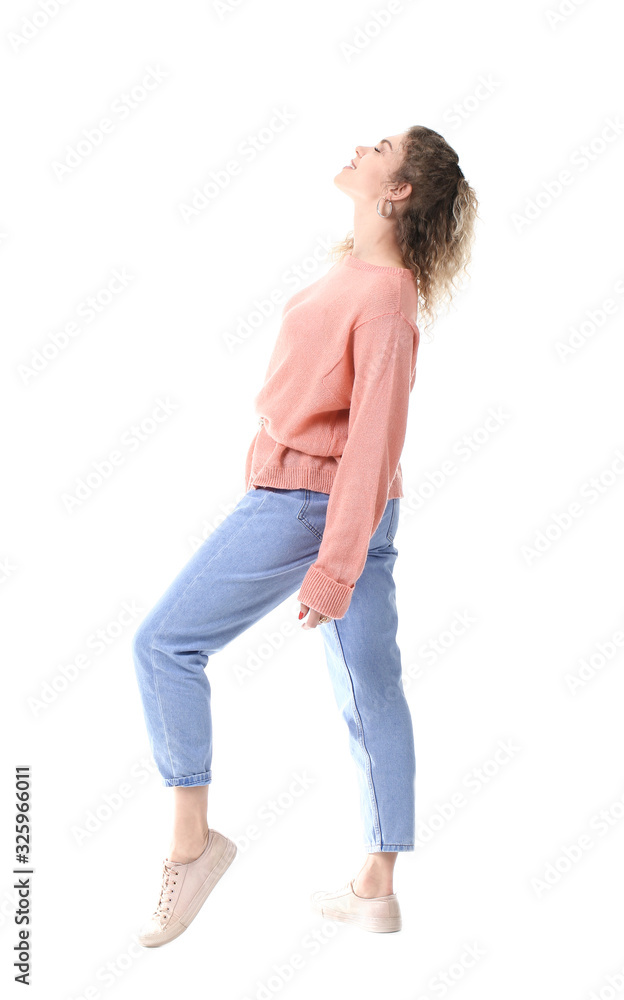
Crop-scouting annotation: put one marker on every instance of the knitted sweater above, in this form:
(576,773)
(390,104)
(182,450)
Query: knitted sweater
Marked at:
(333,412)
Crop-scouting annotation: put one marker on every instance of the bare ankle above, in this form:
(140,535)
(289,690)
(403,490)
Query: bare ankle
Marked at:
(370,888)
(187,845)
(375,878)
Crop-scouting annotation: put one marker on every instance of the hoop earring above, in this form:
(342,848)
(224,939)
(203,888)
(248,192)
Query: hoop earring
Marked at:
(388,214)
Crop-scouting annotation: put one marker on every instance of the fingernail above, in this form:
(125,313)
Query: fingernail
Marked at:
(301,614)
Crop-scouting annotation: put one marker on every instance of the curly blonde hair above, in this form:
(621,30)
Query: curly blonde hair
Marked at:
(435,227)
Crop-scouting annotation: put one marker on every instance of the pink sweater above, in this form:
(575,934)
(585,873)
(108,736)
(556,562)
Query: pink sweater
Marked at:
(333,412)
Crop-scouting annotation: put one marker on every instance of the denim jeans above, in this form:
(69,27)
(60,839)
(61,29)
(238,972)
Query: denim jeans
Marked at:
(253,561)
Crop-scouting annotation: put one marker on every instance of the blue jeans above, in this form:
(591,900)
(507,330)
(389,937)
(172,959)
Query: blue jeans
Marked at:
(253,561)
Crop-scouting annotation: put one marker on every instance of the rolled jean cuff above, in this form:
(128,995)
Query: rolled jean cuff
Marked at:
(374,848)
(192,779)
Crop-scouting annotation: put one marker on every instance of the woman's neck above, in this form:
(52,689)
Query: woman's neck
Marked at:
(377,257)
(374,240)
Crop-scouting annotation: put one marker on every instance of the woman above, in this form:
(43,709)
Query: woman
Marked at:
(323,481)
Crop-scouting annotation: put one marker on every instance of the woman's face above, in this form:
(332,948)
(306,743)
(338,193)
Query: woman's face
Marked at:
(371,166)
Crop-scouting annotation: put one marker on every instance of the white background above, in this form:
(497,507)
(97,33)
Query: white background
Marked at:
(468,548)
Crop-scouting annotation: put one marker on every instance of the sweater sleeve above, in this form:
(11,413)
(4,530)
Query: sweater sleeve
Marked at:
(383,363)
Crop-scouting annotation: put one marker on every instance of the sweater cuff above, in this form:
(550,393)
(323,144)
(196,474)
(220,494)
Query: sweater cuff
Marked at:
(320,592)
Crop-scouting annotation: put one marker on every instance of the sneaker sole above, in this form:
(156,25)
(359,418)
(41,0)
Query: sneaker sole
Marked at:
(377,924)
(200,896)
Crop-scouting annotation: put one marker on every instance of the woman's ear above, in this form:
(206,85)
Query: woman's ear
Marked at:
(401,191)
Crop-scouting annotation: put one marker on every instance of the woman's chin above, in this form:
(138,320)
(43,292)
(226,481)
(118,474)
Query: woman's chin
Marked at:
(341,181)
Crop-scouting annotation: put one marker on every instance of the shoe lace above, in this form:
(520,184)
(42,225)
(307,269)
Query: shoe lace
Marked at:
(166,890)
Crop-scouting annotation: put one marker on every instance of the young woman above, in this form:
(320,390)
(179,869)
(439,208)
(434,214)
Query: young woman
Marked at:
(323,480)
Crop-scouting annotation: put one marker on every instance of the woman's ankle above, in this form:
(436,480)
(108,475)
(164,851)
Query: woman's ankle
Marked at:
(186,845)
(366,884)
(375,877)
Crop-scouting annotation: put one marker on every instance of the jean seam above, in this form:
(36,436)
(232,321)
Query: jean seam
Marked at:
(304,520)
(358,719)
(162,714)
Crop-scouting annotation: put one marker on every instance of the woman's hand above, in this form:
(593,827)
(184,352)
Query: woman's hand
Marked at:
(314,618)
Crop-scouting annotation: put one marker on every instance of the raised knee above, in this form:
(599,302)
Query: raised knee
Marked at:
(143,638)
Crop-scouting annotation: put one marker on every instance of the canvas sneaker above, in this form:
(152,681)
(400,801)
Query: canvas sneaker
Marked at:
(185,888)
(377,913)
